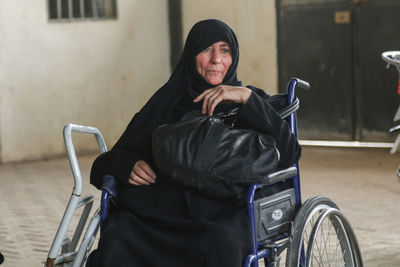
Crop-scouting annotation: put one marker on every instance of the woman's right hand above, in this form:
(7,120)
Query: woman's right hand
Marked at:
(142,174)
(222,93)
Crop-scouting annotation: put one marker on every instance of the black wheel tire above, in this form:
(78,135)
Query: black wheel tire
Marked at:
(312,205)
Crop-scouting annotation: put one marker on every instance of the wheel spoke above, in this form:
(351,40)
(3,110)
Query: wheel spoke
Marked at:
(323,243)
(337,247)
(329,246)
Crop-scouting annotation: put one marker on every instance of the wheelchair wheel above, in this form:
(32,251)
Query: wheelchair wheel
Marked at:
(322,236)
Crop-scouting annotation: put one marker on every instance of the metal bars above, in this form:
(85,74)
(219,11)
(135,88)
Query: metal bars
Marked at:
(82,9)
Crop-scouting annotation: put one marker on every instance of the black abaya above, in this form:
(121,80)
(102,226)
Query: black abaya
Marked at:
(166,225)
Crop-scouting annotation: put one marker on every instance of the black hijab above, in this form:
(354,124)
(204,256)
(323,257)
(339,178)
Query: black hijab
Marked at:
(175,98)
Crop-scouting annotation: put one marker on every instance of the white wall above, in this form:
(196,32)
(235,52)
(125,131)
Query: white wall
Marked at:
(254,23)
(95,73)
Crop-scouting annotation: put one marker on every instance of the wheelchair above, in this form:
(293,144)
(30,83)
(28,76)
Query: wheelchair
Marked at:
(393,58)
(313,233)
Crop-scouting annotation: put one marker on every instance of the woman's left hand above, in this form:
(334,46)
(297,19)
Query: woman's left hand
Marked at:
(222,93)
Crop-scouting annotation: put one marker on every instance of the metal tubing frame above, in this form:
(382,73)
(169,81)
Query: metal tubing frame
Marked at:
(82,222)
(69,146)
(75,199)
(88,239)
(252,259)
(76,257)
(293,127)
(65,258)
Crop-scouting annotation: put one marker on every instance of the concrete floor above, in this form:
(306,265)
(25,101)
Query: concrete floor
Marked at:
(361,181)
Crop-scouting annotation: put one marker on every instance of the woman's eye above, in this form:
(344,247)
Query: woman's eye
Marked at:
(206,50)
(226,50)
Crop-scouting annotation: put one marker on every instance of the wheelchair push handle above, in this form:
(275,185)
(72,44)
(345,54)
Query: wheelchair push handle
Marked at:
(69,146)
(293,83)
(391,57)
(301,83)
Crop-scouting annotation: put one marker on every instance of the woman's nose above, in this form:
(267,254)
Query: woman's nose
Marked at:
(215,57)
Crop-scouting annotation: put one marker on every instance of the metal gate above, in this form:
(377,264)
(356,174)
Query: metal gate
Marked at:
(336,45)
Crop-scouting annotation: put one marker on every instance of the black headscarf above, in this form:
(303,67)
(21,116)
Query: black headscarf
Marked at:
(175,97)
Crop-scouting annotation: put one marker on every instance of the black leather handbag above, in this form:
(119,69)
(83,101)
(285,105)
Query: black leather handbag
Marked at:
(210,155)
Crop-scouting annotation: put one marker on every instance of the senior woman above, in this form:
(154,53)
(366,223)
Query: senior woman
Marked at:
(159,223)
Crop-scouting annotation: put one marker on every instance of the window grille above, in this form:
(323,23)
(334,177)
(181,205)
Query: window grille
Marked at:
(82,9)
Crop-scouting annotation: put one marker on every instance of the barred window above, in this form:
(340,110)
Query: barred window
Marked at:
(82,9)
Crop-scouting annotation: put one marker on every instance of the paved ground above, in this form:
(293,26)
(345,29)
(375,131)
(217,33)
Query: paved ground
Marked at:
(364,185)
(362,182)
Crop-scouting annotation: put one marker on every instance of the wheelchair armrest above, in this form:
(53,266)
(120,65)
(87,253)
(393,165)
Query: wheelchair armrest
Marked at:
(110,185)
(110,190)
(279,176)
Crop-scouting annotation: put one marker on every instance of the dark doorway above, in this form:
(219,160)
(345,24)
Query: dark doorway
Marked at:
(336,45)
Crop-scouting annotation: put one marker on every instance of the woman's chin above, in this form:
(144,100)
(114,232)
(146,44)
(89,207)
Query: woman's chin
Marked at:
(214,81)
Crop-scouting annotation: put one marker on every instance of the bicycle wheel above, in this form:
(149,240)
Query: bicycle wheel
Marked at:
(323,236)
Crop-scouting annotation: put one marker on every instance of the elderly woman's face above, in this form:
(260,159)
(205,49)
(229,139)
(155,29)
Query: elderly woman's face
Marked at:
(213,62)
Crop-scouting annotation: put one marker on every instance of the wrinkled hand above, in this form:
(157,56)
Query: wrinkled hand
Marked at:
(222,93)
(142,174)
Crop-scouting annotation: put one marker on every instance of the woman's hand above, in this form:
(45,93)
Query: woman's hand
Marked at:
(142,174)
(222,93)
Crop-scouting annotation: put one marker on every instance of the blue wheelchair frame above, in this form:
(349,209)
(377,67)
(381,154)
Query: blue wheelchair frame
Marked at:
(290,173)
